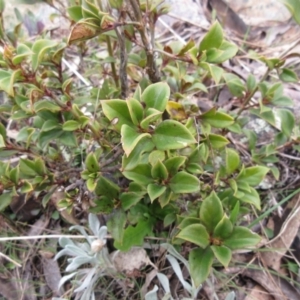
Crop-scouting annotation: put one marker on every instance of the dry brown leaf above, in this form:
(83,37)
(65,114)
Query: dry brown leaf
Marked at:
(135,259)
(258,293)
(283,241)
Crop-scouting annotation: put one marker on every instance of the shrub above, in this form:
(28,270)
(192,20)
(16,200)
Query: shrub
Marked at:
(135,146)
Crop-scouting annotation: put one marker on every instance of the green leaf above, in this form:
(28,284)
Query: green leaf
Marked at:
(211,211)
(223,254)
(287,75)
(106,187)
(27,168)
(188,221)
(235,85)
(214,71)
(5,200)
(253,175)
(136,110)
(217,141)
(130,138)
(251,83)
(134,236)
(7,80)
(50,125)
(165,198)
(294,7)
(46,105)
(156,96)
(232,160)
(138,155)
(184,182)
(152,116)
(75,13)
(213,38)
(39,50)
(68,138)
(92,163)
(2,142)
(155,190)
(116,225)
(223,229)
(117,110)
(141,174)
(196,234)
(170,134)
(217,119)
(71,125)
(241,238)
(155,156)
(200,262)
(174,163)
(159,171)
(287,121)
(23,51)
(130,199)
(91,184)
(249,196)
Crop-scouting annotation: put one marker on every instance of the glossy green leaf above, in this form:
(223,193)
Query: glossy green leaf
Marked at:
(252,175)
(170,134)
(184,182)
(235,212)
(136,110)
(159,171)
(217,119)
(134,235)
(155,190)
(75,13)
(241,238)
(2,142)
(174,163)
(138,155)
(130,199)
(214,71)
(287,75)
(196,234)
(92,163)
(294,7)
(249,196)
(165,198)
(223,229)
(232,160)
(68,138)
(200,262)
(5,200)
(223,254)
(235,85)
(7,80)
(251,83)
(141,174)
(23,51)
(217,141)
(287,121)
(71,125)
(213,38)
(39,49)
(130,138)
(116,225)
(188,221)
(117,110)
(152,116)
(46,105)
(91,184)
(155,156)
(156,96)
(106,187)
(211,212)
